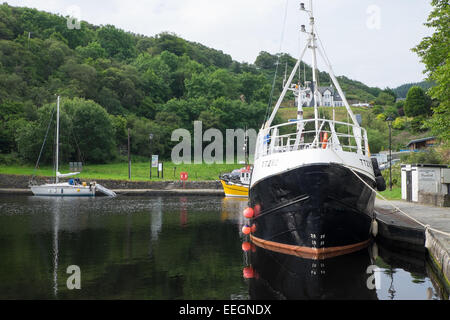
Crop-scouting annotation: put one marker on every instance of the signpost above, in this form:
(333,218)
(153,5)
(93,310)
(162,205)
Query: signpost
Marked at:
(150,136)
(161,169)
(155,161)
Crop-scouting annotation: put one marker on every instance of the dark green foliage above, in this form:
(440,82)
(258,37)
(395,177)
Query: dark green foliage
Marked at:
(87,133)
(402,90)
(417,102)
(426,157)
(433,51)
(111,80)
(117,43)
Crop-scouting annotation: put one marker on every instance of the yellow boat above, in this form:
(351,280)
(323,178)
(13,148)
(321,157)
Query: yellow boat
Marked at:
(236,183)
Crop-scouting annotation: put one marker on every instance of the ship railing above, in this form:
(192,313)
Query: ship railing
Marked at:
(302,135)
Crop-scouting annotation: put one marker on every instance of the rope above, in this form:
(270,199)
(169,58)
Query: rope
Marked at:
(43,145)
(426,226)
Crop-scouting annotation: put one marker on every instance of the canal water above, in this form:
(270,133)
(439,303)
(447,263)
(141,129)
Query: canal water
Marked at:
(179,248)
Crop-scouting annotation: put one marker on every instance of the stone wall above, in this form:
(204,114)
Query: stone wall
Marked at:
(21,182)
(438,200)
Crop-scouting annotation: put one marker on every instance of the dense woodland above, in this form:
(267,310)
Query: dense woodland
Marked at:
(110,80)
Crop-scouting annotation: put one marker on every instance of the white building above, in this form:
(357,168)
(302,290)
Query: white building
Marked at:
(367,105)
(328,97)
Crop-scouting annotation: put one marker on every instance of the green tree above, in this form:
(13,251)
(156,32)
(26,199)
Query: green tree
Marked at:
(116,42)
(434,53)
(416,103)
(385,99)
(87,133)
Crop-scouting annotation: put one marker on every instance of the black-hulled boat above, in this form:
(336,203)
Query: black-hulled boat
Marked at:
(312,183)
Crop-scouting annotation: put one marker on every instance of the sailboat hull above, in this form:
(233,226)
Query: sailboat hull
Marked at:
(63,190)
(313,210)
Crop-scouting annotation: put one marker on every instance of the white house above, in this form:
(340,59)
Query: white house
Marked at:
(328,96)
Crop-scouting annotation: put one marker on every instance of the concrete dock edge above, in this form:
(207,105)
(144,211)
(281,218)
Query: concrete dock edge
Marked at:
(439,255)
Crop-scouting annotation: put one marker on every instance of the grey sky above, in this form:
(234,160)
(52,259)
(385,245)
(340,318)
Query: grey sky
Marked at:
(377,54)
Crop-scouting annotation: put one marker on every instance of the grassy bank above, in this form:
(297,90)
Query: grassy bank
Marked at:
(139,171)
(395,194)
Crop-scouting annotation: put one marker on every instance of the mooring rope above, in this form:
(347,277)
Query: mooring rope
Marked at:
(426,226)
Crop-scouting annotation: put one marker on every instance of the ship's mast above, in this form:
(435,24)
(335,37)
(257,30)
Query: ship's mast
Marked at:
(57,141)
(312,44)
(313,47)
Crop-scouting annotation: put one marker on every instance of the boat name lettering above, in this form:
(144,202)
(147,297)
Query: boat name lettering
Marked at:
(366,163)
(270,163)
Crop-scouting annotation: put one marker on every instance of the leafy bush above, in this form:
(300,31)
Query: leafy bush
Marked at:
(430,156)
(399,123)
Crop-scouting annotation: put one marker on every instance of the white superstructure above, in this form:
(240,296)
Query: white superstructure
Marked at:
(302,141)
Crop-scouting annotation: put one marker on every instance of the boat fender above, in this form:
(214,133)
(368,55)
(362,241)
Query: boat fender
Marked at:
(249,273)
(381,184)
(374,228)
(246,246)
(246,230)
(376,168)
(248,213)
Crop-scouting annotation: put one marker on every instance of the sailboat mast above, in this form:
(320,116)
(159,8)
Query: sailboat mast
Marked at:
(57,141)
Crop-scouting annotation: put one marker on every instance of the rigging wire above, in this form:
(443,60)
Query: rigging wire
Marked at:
(43,146)
(269,105)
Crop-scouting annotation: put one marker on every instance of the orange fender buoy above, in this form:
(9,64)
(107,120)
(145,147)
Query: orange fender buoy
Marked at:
(249,273)
(246,230)
(249,213)
(246,246)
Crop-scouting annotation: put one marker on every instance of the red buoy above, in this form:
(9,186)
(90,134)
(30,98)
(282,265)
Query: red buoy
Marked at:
(246,246)
(246,230)
(249,273)
(248,213)
(253,228)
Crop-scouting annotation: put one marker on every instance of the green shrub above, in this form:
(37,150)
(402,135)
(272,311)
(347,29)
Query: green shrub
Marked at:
(399,123)
(430,156)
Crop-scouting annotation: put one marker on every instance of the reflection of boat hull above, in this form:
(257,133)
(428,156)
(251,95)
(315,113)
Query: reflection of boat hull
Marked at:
(234,189)
(63,190)
(314,210)
(283,276)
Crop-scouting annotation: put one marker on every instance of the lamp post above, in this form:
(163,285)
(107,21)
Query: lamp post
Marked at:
(150,136)
(389,121)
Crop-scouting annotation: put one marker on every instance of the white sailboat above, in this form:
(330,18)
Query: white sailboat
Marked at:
(71,188)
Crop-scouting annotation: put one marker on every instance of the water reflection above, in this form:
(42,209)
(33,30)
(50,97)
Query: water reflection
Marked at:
(362,275)
(127,248)
(176,248)
(281,276)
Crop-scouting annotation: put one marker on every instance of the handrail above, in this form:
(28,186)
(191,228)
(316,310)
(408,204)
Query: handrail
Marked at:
(269,141)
